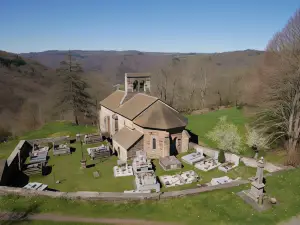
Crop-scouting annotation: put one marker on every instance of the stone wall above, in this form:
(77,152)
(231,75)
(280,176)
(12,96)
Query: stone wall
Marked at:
(247,161)
(116,196)
(131,153)
(47,140)
(160,150)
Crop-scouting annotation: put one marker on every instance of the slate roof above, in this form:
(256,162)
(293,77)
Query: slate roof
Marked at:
(127,137)
(160,116)
(2,167)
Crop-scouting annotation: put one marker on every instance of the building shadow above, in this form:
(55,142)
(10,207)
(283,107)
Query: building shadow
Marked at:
(194,137)
(173,148)
(153,166)
(20,179)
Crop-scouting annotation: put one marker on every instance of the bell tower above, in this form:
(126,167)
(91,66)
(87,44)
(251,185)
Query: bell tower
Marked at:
(137,82)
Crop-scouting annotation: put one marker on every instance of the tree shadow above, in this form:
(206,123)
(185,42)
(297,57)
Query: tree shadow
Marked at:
(194,137)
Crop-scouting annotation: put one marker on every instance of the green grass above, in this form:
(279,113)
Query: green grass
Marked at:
(43,222)
(202,124)
(67,169)
(217,207)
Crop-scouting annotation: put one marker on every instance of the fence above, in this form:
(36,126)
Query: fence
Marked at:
(117,196)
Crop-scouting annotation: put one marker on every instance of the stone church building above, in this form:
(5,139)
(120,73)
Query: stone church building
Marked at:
(135,120)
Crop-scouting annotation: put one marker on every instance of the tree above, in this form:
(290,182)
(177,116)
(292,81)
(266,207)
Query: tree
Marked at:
(73,95)
(280,114)
(256,138)
(30,115)
(221,157)
(226,136)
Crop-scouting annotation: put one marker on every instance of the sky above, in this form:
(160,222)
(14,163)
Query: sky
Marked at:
(144,25)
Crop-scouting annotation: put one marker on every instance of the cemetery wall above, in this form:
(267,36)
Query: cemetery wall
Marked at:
(116,196)
(247,161)
(46,140)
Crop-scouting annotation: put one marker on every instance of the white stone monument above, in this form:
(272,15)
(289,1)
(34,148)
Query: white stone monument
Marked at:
(257,186)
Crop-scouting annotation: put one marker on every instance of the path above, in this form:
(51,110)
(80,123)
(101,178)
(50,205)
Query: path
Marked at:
(59,218)
(293,221)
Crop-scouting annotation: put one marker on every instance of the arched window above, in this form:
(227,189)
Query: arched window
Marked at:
(153,143)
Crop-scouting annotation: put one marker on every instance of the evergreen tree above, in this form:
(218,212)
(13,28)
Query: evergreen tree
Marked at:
(73,95)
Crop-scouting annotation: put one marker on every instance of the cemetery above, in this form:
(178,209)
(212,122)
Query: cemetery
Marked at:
(105,172)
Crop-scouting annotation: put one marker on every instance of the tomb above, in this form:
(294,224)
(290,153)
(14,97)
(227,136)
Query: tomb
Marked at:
(170,163)
(123,169)
(146,181)
(60,148)
(92,138)
(36,186)
(207,164)
(38,155)
(232,161)
(99,152)
(141,164)
(193,157)
(186,177)
(33,168)
(220,180)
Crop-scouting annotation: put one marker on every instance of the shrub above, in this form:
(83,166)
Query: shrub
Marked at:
(221,156)
(226,136)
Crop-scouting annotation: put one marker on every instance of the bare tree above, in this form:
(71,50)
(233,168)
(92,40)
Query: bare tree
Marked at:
(280,116)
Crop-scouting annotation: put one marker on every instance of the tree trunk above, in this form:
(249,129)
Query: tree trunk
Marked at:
(293,156)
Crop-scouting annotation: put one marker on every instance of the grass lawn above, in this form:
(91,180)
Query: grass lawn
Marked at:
(67,169)
(202,124)
(217,207)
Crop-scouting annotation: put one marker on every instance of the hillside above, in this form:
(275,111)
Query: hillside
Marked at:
(115,63)
(21,80)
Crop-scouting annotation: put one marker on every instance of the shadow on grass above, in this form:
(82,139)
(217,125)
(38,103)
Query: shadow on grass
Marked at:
(72,149)
(46,170)
(19,215)
(90,165)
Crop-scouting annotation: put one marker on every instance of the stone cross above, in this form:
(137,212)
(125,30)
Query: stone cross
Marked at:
(260,170)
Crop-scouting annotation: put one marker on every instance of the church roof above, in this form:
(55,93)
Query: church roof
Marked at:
(127,137)
(113,101)
(160,116)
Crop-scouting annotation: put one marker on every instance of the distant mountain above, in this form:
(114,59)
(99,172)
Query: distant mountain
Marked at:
(115,63)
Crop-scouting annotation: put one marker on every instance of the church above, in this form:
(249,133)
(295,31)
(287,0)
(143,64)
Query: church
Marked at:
(135,120)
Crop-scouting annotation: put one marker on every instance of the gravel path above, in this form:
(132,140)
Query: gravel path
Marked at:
(59,218)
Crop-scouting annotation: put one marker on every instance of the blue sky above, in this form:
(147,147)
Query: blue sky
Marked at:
(153,25)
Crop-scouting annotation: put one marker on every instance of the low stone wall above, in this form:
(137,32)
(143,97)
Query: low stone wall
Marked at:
(116,196)
(46,140)
(247,161)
